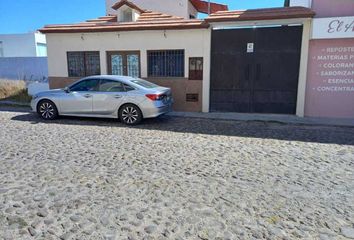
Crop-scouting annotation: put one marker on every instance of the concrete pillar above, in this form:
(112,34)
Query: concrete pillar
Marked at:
(301,93)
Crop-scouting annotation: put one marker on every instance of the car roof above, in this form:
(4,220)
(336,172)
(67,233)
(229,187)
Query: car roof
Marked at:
(112,77)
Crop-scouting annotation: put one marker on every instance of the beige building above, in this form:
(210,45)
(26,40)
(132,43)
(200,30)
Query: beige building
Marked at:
(211,65)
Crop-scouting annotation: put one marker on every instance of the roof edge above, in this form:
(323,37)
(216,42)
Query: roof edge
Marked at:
(119,28)
(261,14)
(121,3)
(202,6)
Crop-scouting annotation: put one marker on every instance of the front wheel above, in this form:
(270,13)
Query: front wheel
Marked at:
(47,110)
(130,114)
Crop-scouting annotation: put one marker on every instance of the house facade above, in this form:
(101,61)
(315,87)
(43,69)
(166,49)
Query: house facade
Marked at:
(232,61)
(169,49)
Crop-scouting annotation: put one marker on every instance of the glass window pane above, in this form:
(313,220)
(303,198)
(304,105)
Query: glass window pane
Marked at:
(111,86)
(128,88)
(76,64)
(117,65)
(196,68)
(166,63)
(85,86)
(92,63)
(133,65)
(41,50)
(144,83)
(128,15)
(192,64)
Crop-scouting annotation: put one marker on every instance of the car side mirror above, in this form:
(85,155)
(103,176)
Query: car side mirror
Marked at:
(67,90)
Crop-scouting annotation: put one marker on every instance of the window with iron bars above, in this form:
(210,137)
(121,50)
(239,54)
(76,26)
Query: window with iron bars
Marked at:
(165,63)
(82,64)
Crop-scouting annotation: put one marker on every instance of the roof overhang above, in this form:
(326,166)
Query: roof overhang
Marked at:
(261,14)
(119,27)
(203,6)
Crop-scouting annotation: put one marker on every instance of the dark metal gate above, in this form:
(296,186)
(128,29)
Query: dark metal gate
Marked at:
(255,69)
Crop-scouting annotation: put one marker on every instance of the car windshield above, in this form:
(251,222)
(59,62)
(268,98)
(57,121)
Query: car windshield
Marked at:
(144,83)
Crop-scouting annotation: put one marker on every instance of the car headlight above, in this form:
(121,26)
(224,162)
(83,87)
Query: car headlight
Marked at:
(35,97)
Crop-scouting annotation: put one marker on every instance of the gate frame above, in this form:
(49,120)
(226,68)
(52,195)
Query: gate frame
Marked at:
(306,35)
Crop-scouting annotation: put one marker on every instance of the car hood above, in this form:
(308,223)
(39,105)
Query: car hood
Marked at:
(50,92)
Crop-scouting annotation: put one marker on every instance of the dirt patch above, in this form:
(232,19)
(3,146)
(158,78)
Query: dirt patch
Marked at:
(11,90)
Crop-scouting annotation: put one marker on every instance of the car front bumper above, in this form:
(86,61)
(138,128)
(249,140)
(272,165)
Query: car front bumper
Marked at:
(34,105)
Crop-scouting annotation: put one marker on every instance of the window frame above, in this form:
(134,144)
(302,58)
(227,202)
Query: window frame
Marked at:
(40,47)
(191,76)
(84,53)
(148,52)
(124,55)
(125,13)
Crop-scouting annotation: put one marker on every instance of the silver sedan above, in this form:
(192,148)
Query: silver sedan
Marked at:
(129,99)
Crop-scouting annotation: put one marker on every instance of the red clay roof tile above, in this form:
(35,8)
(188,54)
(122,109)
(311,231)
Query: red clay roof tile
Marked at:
(203,6)
(261,14)
(147,20)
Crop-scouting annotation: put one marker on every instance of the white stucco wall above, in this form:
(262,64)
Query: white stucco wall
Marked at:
(173,7)
(193,42)
(196,43)
(18,45)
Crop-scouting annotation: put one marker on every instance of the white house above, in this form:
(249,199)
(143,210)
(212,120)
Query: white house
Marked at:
(23,45)
(139,41)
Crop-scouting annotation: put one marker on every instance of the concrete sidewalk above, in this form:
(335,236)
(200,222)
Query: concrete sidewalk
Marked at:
(267,118)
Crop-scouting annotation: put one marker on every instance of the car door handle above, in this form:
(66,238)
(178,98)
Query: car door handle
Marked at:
(117,96)
(87,95)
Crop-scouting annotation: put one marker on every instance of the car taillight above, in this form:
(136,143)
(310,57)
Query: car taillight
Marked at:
(155,97)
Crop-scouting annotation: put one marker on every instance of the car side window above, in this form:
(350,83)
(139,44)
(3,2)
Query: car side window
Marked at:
(111,86)
(128,88)
(89,85)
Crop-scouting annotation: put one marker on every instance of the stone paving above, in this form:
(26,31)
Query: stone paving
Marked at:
(174,178)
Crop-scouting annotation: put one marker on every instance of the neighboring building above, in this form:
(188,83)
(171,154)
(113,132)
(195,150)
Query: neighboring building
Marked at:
(23,56)
(23,45)
(330,79)
(233,61)
(187,9)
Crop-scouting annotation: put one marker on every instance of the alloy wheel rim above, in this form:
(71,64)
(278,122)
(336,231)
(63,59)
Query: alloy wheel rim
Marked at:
(130,115)
(46,110)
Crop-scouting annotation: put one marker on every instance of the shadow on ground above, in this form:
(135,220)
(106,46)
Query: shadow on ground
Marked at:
(253,129)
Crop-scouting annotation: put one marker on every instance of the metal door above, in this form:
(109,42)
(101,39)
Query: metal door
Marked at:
(255,69)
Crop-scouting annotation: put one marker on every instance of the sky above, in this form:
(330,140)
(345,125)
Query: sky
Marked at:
(22,16)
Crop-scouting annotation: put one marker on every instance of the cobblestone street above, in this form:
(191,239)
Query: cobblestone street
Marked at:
(174,178)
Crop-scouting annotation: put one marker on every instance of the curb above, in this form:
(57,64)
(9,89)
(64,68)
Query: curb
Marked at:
(13,103)
(280,120)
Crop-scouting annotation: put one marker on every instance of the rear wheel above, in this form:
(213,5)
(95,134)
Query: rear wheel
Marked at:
(47,110)
(130,114)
